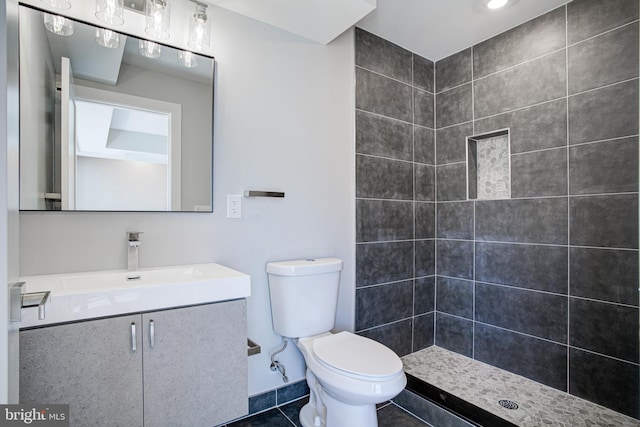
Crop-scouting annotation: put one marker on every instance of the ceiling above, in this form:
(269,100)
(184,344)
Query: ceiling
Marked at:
(433,29)
(317,20)
(436,29)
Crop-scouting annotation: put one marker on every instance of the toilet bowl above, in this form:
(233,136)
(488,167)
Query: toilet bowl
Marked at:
(353,368)
(347,374)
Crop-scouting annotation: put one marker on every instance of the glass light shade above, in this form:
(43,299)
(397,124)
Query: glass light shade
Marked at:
(199,28)
(157,18)
(58,24)
(187,59)
(110,11)
(57,4)
(149,49)
(107,38)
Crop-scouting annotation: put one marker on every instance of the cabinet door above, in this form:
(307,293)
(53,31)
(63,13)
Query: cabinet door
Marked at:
(89,365)
(195,373)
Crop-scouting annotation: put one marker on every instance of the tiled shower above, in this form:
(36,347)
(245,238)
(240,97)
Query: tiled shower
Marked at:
(544,284)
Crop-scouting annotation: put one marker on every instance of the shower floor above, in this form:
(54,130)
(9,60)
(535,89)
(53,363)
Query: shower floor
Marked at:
(483,386)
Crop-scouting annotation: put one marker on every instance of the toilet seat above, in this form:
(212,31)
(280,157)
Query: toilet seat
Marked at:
(356,356)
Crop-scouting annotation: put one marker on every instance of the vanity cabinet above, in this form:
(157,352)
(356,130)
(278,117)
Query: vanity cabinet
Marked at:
(177,367)
(88,365)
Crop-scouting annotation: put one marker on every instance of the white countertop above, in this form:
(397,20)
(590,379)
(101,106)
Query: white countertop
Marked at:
(81,296)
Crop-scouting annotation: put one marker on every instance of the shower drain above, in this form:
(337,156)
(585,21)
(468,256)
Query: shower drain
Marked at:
(509,404)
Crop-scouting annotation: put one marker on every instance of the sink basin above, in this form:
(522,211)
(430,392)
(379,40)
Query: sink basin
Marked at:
(79,296)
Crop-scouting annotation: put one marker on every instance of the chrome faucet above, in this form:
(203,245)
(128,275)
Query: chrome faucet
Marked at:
(133,241)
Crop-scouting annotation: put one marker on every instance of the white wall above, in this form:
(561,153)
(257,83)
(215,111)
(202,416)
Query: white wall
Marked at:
(283,121)
(112,184)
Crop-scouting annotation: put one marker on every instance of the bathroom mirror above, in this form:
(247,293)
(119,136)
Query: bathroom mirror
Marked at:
(110,122)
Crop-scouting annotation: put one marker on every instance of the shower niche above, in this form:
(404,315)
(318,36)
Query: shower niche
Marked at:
(489,166)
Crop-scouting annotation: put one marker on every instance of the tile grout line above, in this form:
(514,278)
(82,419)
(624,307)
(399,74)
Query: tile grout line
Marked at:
(373,113)
(559,147)
(377,73)
(409,412)
(285,416)
(413,157)
(599,34)
(604,86)
(566,46)
(523,198)
(551,293)
(568,129)
(389,283)
(435,210)
(473,129)
(559,245)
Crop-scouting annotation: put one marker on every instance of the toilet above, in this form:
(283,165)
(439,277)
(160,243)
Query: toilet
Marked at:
(347,374)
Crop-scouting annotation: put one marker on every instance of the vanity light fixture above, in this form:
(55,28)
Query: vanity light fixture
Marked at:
(199,27)
(107,38)
(110,11)
(157,18)
(58,24)
(149,49)
(187,59)
(496,4)
(57,4)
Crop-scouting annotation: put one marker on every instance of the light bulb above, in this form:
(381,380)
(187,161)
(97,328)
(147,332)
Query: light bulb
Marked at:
(58,24)
(199,28)
(110,11)
(149,49)
(107,38)
(187,59)
(158,16)
(496,4)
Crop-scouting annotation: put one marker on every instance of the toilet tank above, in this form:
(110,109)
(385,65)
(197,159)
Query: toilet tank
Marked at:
(304,295)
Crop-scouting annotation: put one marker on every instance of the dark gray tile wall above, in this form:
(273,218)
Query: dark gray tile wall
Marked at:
(540,173)
(540,80)
(545,285)
(604,380)
(588,18)
(533,39)
(395,195)
(540,360)
(605,167)
(454,333)
(451,143)
(381,95)
(384,304)
(609,58)
(451,107)
(455,297)
(532,128)
(539,267)
(604,113)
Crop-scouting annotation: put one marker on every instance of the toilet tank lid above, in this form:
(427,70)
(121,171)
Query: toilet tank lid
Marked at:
(305,267)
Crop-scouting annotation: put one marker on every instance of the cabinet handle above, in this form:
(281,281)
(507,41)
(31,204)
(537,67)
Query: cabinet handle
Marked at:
(152,333)
(133,337)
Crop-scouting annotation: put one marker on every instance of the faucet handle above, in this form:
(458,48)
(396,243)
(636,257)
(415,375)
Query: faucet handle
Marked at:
(134,236)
